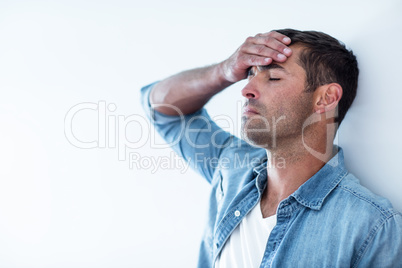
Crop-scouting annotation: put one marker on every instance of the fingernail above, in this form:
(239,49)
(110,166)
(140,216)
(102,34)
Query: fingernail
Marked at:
(286,39)
(281,56)
(287,51)
(267,59)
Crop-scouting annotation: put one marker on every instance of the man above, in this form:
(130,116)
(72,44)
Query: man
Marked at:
(283,198)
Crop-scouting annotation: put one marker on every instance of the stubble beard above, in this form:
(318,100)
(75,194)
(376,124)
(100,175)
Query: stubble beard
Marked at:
(274,130)
(256,132)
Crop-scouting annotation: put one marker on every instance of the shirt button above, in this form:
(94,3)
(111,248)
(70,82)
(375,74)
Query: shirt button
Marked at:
(237,213)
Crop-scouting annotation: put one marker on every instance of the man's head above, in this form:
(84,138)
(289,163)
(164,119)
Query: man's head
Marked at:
(320,77)
(326,60)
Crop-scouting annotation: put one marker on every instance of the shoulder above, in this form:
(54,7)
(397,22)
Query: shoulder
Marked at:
(377,223)
(360,212)
(370,221)
(354,194)
(370,216)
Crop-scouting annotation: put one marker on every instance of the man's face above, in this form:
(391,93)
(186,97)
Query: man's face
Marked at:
(277,104)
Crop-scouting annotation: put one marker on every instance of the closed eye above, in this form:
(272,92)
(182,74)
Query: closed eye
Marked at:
(250,72)
(274,79)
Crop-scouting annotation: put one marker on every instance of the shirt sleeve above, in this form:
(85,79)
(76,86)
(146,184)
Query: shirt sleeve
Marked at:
(384,246)
(194,137)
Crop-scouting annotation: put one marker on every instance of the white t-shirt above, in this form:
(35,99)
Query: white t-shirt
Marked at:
(246,245)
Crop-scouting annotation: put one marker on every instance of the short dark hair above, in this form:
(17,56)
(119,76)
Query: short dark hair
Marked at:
(326,60)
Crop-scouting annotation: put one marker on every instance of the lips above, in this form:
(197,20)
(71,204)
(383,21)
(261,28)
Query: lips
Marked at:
(247,110)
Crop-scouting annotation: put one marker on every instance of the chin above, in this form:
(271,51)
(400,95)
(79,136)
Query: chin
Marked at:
(256,133)
(258,139)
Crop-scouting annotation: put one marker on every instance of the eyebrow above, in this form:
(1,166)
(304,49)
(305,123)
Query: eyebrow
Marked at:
(262,68)
(271,66)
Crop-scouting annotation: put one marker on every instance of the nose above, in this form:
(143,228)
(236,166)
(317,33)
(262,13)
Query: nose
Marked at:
(250,91)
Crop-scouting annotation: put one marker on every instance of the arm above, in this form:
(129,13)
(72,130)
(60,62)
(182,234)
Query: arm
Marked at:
(193,135)
(189,91)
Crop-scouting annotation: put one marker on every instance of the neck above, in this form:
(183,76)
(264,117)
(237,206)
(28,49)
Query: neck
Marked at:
(290,164)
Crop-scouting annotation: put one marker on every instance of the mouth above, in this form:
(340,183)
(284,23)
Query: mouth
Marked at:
(248,111)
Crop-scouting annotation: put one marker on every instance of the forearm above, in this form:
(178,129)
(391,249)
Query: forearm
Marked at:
(188,91)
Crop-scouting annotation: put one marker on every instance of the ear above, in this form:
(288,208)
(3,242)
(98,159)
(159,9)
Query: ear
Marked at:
(327,97)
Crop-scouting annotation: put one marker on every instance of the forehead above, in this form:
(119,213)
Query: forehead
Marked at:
(291,67)
(293,62)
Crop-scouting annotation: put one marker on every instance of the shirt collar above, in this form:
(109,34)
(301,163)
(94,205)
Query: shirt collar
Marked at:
(261,172)
(314,191)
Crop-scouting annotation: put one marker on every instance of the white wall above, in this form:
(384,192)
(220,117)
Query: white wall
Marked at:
(62,206)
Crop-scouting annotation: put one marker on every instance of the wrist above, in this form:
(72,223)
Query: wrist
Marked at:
(223,75)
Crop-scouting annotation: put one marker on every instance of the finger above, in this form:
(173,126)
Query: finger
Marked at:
(263,51)
(273,43)
(248,60)
(278,36)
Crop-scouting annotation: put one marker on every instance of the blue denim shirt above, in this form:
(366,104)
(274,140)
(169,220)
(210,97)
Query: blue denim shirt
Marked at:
(330,221)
